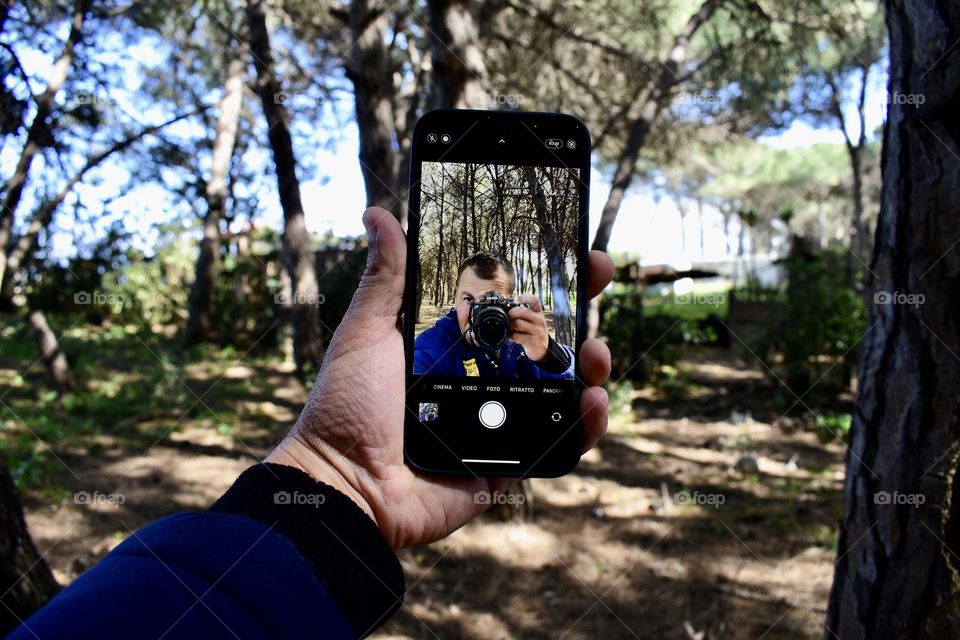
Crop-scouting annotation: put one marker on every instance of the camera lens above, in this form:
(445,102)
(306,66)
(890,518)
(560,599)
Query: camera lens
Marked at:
(492,327)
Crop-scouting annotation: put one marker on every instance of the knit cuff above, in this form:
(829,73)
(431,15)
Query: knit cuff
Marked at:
(350,557)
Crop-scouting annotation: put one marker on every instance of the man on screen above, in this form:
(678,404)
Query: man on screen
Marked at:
(452,346)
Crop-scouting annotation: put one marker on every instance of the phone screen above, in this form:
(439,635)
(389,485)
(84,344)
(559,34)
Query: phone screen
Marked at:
(495,292)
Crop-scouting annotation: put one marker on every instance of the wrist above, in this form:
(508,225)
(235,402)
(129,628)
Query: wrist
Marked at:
(320,465)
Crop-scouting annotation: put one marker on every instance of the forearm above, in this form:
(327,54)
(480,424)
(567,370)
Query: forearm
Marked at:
(279,555)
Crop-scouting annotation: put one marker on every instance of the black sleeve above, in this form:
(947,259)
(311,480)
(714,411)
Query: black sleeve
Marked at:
(557,360)
(358,568)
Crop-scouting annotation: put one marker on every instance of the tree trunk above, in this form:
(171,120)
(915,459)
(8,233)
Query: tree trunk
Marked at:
(657,97)
(297,254)
(40,130)
(559,282)
(438,297)
(458,68)
(25,579)
(59,376)
(371,72)
(898,570)
(224,142)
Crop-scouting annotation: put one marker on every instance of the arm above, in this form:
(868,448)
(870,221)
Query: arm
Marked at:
(257,564)
(311,567)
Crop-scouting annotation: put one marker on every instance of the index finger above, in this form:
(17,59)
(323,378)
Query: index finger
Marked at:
(532,300)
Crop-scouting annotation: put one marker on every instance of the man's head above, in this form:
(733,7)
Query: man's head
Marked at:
(482,272)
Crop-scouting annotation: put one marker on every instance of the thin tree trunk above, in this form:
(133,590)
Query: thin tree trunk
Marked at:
(559,282)
(657,98)
(897,573)
(298,256)
(224,142)
(39,130)
(25,579)
(371,72)
(59,376)
(438,281)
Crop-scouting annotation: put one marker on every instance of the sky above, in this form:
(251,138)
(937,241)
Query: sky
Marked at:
(647,227)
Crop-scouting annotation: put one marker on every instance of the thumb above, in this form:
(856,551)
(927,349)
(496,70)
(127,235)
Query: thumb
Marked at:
(380,293)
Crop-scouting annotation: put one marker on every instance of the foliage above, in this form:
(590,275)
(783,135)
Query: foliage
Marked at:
(821,321)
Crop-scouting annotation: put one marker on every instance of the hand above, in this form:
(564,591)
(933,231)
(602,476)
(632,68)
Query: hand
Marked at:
(350,433)
(528,327)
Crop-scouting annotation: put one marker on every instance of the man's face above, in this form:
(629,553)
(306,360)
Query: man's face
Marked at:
(472,286)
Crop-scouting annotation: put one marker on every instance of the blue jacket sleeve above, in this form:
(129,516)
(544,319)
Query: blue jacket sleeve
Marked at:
(264,562)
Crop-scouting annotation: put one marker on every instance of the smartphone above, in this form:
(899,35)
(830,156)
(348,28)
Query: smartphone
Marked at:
(495,299)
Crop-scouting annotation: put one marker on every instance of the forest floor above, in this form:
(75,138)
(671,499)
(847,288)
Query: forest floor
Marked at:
(656,535)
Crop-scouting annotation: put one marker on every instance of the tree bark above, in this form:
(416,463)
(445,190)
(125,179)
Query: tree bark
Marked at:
(40,129)
(898,565)
(225,139)
(371,72)
(298,256)
(59,376)
(458,68)
(25,579)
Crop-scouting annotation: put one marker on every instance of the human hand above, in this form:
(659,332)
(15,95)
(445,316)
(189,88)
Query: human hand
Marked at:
(350,433)
(528,327)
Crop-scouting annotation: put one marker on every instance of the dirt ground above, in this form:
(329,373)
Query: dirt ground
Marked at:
(656,535)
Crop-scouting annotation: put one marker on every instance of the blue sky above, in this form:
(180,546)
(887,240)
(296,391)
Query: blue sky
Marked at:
(333,201)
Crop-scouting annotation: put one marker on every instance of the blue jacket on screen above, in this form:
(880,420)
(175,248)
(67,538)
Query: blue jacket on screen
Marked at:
(441,350)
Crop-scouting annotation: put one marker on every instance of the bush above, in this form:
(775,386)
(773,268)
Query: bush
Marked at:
(820,319)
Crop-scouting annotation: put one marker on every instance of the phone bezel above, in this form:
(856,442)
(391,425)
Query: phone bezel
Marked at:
(473,124)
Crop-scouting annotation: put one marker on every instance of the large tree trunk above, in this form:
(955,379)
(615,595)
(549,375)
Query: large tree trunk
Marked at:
(39,130)
(458,68)
(26,583)
(371,72)
(298,256)
(225,139)
(59,376)
(898,561)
